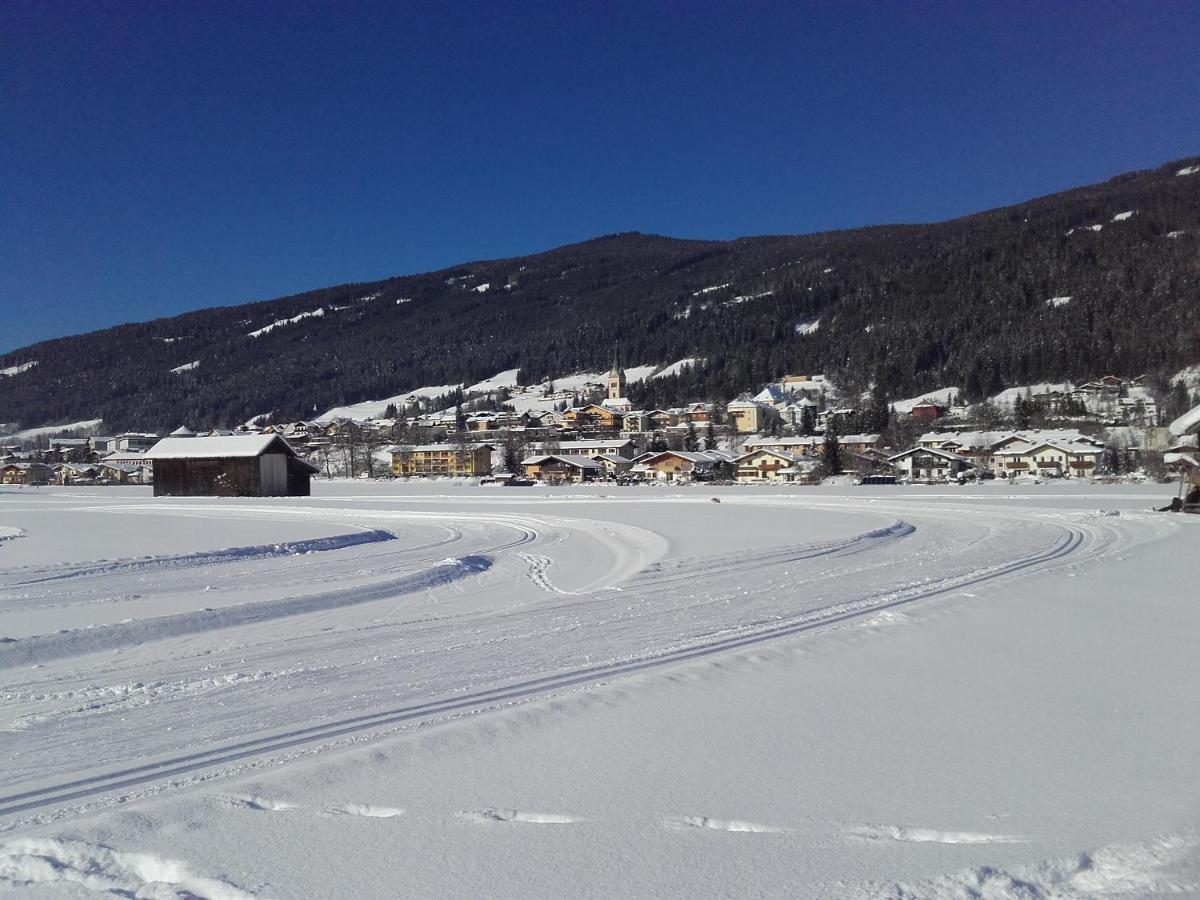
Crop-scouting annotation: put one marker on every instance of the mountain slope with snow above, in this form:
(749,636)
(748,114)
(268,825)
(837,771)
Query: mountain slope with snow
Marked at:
(979,301)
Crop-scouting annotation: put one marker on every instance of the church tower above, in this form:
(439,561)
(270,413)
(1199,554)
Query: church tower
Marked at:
(616,380)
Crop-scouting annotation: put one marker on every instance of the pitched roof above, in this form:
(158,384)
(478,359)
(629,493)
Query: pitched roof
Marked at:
(580,462)
(220,447)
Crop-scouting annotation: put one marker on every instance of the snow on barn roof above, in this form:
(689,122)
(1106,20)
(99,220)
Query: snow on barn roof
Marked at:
(223,446)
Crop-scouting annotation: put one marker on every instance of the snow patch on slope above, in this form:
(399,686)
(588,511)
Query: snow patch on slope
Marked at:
(17,370)
(805,328)
(1059,301)
(1010,396)
(45,430)
(1190,170)
(1122,216)
(279,323)
(186,367)
(505,379)
(942,397)
(374,409)
(676,367)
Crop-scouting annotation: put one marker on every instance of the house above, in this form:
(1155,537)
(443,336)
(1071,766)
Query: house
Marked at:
(583,447)
(927,411)
(1055,459)
(76,473)
(699,413)
(612,465)
(661,419)
(810,445)
(746,416)
(929,464)
(765,465)
(242,465)
(561,469)
(26,473)
(678,465)
(592,417)
(430,460)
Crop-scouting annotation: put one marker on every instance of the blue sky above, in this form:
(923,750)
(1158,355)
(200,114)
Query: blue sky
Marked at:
(159,157)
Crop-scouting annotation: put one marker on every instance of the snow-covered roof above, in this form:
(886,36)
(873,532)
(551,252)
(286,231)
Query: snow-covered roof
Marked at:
(183,431)
(436,448)
(592,445)
(1188,423)
(581,462)
(781,454)
(936,451)
(223,446)
(1179,458)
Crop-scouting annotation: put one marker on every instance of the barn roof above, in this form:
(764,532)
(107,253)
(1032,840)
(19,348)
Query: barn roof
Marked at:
(222,446)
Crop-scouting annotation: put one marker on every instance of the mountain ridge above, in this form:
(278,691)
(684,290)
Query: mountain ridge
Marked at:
(913,306)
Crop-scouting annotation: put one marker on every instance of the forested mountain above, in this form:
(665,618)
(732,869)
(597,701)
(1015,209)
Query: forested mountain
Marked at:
(965,302)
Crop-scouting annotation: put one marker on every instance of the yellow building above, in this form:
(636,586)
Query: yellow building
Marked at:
(746,416)
(442,459)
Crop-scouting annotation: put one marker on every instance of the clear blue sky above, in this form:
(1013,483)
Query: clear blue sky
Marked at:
(159,157)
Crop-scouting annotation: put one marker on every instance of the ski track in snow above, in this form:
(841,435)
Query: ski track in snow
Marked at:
(645,612)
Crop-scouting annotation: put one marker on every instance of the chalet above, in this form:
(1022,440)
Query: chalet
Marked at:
(431,460)
(26,473)
(1056,459)
(76,473)
(561,469)
(699,413)
(661,419)
(612,465)
(678,465)
(928,465)
(765,465)
(791,445)
(250,465)
(592,417)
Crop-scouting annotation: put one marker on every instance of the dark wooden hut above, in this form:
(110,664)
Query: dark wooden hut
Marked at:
(243,465)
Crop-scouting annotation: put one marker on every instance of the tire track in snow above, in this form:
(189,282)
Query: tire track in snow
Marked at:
(477,701)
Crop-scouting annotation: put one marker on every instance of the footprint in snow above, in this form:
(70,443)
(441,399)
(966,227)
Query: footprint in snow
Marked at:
(365,810)
(487,816)
(260,804)
(909,834)
(730,825)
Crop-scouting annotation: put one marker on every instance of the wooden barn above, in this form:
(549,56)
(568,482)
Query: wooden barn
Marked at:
(242,465)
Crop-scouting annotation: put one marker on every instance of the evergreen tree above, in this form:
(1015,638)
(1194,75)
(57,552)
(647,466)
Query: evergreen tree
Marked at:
(833,450)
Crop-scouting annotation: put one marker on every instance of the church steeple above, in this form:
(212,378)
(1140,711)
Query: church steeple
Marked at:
(616,379)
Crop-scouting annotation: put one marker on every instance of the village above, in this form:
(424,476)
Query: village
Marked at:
(798,430)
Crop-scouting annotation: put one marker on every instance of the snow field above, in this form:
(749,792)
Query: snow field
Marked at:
(793,693)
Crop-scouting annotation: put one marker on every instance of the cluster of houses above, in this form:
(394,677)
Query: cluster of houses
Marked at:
(99,459)
(774,436)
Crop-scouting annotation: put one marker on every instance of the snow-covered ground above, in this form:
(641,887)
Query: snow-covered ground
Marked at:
(445,690)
